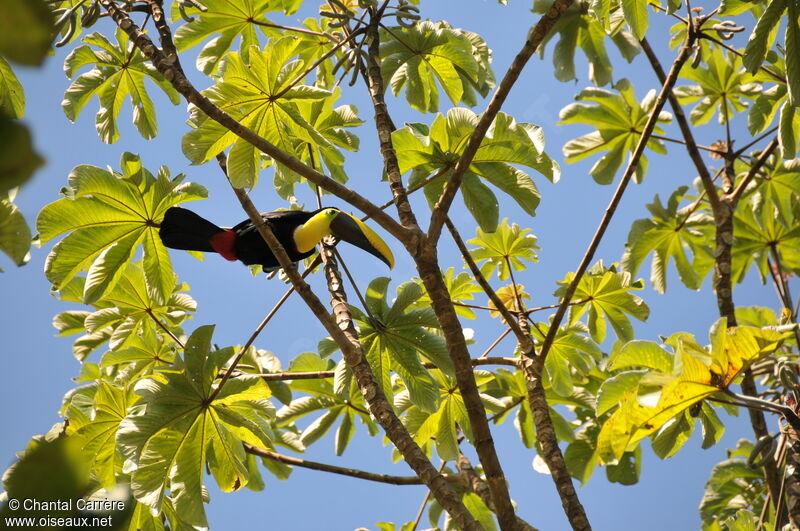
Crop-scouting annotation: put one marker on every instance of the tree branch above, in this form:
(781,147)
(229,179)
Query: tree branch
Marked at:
(666,90)
(385,126)
(344,333)
(722,209)
(174,76)
(510,319)
(762,158)
(535,38)
(478,486)
(342,471)
(683,124)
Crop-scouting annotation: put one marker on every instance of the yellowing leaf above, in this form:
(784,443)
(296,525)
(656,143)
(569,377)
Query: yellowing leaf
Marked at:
(698,373)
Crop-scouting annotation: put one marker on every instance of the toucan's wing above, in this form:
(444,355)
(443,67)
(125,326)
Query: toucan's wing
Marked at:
(354,231)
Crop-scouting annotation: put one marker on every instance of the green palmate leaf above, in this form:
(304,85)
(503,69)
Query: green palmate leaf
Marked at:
(108,214)
(619,120)
(15,236)
(636,16)
(177,431)
(792,47)
(461,287)
(671,234)
(133,303)
(12,96)
(571,358)
(257,90)
(722,87)
(321,397)
(395,337)
(119,72)
(774,102)
(506,247)
(763,229)
(132,318)
(695,373)
(434,151)
(223,22)
(26,31)
(140,354)
(412,58)
(587,25)
(673,435)
(606,295)
(332,123)
(778,182)
(97,432)
(509,295)
(733,487)
(480,511)
(439,428)
(54,468)
(789,132)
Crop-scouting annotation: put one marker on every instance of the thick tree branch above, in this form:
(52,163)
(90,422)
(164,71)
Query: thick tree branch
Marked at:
(385,126)
(722,209)
(423,250)
(478,486)
(342,471)
(173,74)
(431,275)
(535,38)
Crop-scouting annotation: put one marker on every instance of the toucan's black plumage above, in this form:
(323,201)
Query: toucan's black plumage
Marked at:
(183,229)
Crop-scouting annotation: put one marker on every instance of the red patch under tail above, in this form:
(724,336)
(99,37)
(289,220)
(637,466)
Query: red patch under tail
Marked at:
(225,244)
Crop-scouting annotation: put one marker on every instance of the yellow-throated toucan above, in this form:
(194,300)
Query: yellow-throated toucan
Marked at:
(299,232)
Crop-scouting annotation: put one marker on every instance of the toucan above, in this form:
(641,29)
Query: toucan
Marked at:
(299,232)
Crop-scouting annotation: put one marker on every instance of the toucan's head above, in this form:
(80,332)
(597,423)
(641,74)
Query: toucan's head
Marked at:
(332,221)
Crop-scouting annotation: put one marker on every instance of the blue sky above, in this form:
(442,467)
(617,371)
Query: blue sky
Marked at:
(40,366)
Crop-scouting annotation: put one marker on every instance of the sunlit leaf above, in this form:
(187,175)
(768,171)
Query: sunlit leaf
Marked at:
(503,249)
(107,215)
(697,374)
(178,430)
(118,73)
(672,234)
(619,120)
(606,298)
(412,58)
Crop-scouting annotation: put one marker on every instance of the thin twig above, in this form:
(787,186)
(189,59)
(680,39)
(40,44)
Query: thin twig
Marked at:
(425,501)
(535,38)
(755,141)
(484,284)
(342,471)
(495,343)
(633,162)
(762,158)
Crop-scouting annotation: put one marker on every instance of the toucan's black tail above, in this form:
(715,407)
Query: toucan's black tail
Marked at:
(183,229)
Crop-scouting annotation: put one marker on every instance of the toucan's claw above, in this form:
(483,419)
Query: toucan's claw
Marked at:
(354,231)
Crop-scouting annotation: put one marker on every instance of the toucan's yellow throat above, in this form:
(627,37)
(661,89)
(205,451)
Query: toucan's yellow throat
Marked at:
(310,233)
